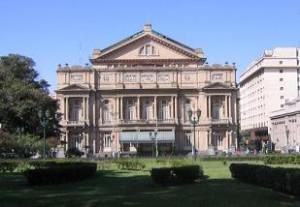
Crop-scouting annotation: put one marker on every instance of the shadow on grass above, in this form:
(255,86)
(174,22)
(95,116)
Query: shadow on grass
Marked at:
(122,188)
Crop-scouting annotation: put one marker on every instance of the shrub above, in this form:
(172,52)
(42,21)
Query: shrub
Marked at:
(278,160)
(104,165)
(56,173)
(130,164)
(176,175)
(8,166)
(234,158)
(285,180)
(74,152)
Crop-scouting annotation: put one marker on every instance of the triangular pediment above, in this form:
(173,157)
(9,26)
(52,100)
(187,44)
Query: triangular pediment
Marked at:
(148,45)
(217,85)
(73,87)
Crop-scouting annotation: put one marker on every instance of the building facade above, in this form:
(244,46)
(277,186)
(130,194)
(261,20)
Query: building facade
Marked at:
(285,126)
(138,92)
(265,86)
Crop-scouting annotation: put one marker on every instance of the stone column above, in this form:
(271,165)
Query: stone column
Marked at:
(138,108)
(209,106)
(155,108)
(100,112)
(88,109)
(88,138)
(84,107)
(176,108)
(121,108)
(67,108)
(228,139)
(182,109)
(208,138)
(117,109)
(226,106)
(67,140)
(229,107)
(94,145)
(172,107)
(64,108)
(94,108)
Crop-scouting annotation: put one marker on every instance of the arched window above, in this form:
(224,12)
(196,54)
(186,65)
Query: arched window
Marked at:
(148,50)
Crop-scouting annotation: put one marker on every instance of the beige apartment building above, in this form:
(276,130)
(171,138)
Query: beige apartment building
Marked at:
(285,126)
(138,91)
(265,86)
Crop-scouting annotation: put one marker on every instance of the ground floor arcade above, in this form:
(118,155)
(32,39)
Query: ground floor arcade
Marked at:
(145,141)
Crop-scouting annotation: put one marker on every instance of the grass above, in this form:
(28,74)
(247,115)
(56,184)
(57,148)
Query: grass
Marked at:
(113,187)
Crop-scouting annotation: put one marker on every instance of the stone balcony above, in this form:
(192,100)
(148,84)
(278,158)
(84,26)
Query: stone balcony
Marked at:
(222,121)
(80,123)
(211,121)
(140,122)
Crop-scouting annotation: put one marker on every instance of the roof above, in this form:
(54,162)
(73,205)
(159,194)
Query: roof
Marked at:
(197,52)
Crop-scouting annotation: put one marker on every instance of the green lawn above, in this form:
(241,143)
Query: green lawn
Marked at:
(135,188)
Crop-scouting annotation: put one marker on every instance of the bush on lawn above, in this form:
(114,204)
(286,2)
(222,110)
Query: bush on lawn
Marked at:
(8,166)
(176,175)
(285,180)
(74,152)
(60,173)
(130,164)
(278,160)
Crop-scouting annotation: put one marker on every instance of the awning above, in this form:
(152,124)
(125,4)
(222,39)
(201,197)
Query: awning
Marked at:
(144,137)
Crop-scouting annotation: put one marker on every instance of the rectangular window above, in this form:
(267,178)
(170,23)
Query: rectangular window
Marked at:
(281,88)
(281,79)
(107,139)
(187,138)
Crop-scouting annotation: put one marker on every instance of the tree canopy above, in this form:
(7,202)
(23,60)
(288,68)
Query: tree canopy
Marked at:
(23,95)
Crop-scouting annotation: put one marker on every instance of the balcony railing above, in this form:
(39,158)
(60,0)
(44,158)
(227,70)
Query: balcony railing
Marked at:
(75,123)
(221,121)
(147,121)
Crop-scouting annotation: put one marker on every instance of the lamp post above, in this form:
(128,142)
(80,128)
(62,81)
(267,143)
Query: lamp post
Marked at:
(44,120)
(194,120)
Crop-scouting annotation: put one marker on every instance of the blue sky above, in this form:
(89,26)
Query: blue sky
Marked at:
(66,31)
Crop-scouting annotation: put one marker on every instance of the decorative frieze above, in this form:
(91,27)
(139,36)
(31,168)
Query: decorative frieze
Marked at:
(217,76)
(189,77)
(130,77)
(163,77)
(106,77)
(148,77)
(76,77)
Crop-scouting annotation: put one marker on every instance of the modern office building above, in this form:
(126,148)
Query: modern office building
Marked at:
(285,127)
(265,86)
(139,91)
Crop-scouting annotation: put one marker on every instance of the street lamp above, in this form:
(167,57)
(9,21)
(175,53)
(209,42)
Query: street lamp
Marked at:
(194,120)
(153,136)
(44,120)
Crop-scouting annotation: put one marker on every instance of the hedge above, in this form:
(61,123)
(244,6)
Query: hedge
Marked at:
(286,180)
(278,160)
(176,175)
(64,172)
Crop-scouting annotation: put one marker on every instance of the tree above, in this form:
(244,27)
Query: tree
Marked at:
(21,145)
(22,96)
(7,143)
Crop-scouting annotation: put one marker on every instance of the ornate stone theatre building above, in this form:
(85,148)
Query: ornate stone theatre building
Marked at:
(136,95)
